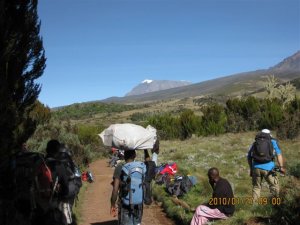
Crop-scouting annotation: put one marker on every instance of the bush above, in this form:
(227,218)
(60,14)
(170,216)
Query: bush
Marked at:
(288,212)
(294,170)
(272,114)
(189,123)
(139,117)
(68,134)
(88,134)
(87,110)
(167,126)
(213,120)
(290,126)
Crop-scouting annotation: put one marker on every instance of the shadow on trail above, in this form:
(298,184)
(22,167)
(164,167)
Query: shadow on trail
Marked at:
(112,222)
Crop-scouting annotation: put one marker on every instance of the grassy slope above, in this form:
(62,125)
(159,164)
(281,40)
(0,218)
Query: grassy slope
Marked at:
(228,153)
(122,117)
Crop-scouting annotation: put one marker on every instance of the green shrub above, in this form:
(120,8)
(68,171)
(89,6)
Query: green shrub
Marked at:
(189,123)
(167,126)
(288,211)
(213,120)
(83,143)
(140,116)
(294,170)
(272,114)
(88,134)
(87,110)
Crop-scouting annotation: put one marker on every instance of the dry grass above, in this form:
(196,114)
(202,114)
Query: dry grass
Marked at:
(228,153)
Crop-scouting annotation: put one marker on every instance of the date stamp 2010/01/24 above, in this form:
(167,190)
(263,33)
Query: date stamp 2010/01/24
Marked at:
(244,201)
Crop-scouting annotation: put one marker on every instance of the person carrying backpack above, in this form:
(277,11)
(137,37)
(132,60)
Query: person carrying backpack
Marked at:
(149,176)
(25,187)
(73,173)
(260,157)
(59,206)
(128,182)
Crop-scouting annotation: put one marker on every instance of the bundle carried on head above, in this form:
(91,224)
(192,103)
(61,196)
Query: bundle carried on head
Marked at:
(129,136)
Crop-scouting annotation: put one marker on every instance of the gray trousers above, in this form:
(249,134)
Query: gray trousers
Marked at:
(128,216)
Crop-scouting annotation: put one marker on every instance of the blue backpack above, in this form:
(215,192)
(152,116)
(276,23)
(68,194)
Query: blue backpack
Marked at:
(133,174)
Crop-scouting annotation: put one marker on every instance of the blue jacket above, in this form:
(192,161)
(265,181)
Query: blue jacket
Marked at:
(266,166)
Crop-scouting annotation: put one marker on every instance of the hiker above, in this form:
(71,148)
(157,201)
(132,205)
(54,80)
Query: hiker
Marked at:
(220,205)
(155,151)
(27,188)
(59,198)
(130,201)
(149,176)
(261,163)
(117,155)
(73,173)
(151,171)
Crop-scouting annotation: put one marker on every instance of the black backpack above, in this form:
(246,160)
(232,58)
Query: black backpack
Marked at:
(180,186)
(262,148)
(73,174)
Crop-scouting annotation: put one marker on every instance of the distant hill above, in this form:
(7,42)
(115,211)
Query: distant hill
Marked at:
(147,86)
(233,85)
(291,64)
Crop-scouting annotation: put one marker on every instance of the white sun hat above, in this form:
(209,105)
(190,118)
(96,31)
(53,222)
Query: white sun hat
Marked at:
(266,131)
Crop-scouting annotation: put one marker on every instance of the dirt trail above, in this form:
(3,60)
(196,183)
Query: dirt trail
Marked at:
(96,203)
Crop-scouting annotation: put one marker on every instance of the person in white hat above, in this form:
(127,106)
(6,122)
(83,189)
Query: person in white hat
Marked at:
(261,157)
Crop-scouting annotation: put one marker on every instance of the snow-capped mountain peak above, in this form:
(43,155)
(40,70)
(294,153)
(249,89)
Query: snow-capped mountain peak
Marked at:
(155,85)
(147,81)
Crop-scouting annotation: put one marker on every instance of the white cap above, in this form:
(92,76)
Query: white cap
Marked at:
(266,131)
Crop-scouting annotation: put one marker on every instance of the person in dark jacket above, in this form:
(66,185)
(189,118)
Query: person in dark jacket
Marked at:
(149,176)
(60,178)
(220,205)
(59,173)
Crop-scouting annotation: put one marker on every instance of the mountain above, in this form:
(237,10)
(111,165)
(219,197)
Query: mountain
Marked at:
(233,85)
(147,86)
(291,64)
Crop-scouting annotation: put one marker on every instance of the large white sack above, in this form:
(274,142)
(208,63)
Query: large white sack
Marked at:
(129,136)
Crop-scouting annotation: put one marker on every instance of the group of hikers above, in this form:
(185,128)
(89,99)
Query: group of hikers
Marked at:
(38,189)
(41,190)
(132,183)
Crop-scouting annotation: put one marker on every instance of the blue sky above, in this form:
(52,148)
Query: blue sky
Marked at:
(96,49)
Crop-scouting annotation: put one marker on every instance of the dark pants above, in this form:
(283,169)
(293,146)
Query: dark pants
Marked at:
(147,192)
(130,216)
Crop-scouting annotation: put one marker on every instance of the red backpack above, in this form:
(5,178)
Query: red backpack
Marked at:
(32,179)
(45,181)
(170,169)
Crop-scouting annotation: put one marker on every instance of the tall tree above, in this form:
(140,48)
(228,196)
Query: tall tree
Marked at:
(22,61)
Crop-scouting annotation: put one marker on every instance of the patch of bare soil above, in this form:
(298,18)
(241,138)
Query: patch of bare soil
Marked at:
(96,204)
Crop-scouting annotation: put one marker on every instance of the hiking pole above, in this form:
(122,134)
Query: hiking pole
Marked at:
(53,190)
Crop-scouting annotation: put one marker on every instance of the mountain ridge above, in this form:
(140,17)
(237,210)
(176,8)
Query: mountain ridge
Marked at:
(147,86)
(246,82)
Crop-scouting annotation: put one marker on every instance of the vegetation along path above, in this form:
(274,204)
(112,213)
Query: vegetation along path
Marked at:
(95,209)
